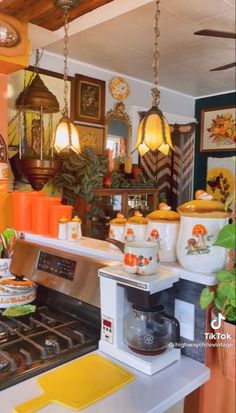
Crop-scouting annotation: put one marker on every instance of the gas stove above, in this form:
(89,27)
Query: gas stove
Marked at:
(66,324)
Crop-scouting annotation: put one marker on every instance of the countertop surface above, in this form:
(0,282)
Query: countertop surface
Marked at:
(102,249)
(146,394)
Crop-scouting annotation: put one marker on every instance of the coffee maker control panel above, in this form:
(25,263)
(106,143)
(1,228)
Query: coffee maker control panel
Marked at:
(107,329)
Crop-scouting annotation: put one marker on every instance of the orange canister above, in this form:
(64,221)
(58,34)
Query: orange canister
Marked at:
(55,213)
(40,214)
(22,209)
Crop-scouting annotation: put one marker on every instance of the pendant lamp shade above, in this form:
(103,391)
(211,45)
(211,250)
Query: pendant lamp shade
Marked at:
(66,137)
(154,131)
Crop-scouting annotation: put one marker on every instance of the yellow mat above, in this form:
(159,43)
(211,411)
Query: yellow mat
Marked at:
(78,384)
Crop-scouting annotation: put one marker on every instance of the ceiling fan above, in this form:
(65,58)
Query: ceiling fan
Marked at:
(218,33)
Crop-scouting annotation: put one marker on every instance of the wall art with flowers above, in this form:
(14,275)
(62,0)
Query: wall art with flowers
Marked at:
(218,129)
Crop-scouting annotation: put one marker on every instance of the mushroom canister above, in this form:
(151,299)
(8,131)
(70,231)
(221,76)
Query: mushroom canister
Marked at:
(200,222)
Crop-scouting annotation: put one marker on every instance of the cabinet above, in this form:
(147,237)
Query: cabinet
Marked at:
(126,200)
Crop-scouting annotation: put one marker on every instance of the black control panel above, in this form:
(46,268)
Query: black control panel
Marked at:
(62,267)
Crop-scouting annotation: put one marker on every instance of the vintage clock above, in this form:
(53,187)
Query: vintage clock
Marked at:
(119,88)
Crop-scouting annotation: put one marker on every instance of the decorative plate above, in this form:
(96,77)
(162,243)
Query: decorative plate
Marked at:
(119,88)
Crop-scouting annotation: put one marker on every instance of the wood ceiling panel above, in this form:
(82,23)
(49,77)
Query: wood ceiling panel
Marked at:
(43,13)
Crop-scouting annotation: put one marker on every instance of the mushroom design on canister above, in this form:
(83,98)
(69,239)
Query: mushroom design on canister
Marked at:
(199,231)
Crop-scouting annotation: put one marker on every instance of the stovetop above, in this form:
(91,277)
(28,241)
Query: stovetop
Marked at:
(37,342)
(66,324)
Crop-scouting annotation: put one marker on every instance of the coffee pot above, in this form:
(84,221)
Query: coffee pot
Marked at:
(148,331)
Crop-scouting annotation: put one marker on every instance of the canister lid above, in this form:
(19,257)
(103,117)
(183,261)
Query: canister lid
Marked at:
(63,220)
(119,220)
(164,215)
(76,219)
(204,208)
(138,219)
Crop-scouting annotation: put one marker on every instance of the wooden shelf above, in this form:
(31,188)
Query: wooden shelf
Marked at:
(125,193)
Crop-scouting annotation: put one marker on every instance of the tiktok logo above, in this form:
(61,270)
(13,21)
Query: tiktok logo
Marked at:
(216,322)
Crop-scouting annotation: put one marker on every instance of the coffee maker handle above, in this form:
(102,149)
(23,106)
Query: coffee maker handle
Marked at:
(175,338)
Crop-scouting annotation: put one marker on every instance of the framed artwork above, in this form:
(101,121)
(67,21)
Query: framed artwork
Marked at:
(91,136)
(89,99)
(218,129)
(220,181)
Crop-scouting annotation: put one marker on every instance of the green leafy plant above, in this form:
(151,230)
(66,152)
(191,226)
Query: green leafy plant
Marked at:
(79,175)
(224,296)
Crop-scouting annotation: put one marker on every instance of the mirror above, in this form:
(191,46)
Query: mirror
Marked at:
(118,131)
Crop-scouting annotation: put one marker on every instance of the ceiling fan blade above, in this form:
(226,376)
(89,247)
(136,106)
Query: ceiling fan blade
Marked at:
(224,67)
(216,33)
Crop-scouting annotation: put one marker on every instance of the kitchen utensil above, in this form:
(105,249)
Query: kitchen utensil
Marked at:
(148,331)
(139,257)
(78,384)
(200,223)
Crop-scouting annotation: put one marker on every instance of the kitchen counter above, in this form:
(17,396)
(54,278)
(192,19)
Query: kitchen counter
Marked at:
(102,249)
(146,394)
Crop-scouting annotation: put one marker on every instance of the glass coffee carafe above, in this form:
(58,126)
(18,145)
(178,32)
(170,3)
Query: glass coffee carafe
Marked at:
(148,331)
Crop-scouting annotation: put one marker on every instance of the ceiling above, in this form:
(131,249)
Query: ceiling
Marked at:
(118,36)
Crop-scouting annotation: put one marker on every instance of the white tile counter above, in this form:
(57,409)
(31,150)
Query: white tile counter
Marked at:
(146,394)
(102,249)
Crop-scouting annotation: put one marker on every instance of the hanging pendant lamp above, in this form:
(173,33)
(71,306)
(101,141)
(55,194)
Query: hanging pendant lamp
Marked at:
(66,135)
(154,131)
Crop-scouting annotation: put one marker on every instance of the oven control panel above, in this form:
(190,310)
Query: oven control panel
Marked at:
(62,267)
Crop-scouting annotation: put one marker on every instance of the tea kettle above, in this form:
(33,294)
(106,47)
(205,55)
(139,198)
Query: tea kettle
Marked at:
(148,331)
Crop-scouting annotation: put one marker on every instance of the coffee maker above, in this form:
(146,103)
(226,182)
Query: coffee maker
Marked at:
(134,326)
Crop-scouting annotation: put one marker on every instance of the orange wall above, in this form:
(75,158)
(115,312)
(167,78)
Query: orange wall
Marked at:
(3,106)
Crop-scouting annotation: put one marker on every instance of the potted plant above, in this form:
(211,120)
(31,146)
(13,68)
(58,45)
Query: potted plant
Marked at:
(224,308)
(79,175)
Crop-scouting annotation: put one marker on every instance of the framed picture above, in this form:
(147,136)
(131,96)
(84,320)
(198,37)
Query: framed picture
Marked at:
(218,129)
(89,99)
(91,136)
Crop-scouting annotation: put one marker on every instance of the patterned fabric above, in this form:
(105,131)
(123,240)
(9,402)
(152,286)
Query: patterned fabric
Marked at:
(174,173)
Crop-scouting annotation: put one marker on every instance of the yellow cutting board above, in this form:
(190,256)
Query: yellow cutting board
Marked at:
(78,384)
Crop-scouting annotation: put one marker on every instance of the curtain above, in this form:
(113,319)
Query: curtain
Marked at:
(173,173)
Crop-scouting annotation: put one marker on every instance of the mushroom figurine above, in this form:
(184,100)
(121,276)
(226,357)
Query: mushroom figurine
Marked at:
(199,231)
(138,214)
(200,194)
(164,207)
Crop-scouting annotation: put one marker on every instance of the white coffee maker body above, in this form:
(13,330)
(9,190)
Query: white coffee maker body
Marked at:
(116,287)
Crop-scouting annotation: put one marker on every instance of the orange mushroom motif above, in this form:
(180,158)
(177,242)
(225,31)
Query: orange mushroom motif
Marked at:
(130,235)
(155,234)
(199,231)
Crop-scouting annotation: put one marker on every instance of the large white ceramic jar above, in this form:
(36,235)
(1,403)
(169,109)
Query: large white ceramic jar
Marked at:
(163,228)
(199,225)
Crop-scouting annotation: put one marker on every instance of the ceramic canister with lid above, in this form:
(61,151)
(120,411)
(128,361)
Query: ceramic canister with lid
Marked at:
(200,222)
(135,228)
(74,229)
(163,228)
(117,228)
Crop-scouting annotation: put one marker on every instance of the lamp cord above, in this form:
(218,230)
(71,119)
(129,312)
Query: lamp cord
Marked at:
(156,55)
(65,52)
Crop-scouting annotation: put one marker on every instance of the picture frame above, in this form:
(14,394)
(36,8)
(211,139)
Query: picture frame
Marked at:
(218,129)
(91,136)
(88,98)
